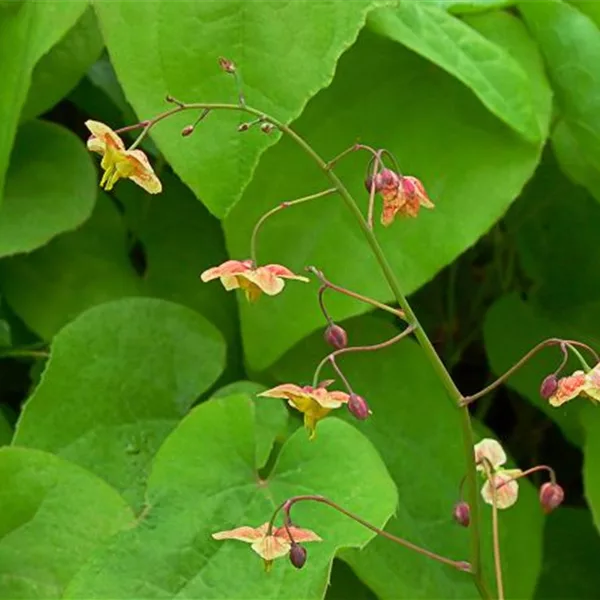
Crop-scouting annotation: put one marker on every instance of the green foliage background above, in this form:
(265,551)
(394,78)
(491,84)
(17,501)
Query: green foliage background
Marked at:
(128,420)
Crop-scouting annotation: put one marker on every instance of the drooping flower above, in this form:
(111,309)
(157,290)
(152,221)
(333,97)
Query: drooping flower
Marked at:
(403,195)
(315,403)
(252,280)
(579,383)
(489,457)
(269,546)
(119,163)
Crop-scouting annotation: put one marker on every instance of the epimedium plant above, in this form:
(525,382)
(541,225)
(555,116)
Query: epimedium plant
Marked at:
(401,196)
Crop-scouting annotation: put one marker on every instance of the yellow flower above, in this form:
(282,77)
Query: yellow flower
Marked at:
(119,163)
(315,403)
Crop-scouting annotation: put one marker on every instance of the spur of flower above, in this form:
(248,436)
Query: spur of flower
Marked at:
(272,544)
(315,402)
(252,280)
(579,383)
(402,195)
(489,457)
(119,163)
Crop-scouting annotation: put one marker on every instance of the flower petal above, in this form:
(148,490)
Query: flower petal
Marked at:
(270,547)
(298,535)
(104,135)
(490,450)
(243,534)
(285,390)
(568,388)
(281,271)
(269,283)
(328,399)
(144,174)
(229,267)
(506,495)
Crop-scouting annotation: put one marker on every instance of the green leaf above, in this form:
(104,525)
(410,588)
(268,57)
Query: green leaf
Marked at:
(204,479)
(5,335)
(472,6)
(570,42)
(493,75)
(53,515)
(344,584)
(164,47)
(510,318)
(271,417)
(118,379)
(591,450)
(437,142)
(418,434)
(73,272)
(571,545)
(50,187)
(27,33)
(168,227)
(6,430)
(58,72)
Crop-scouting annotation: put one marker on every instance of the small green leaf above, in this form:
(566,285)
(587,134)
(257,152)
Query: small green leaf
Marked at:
(58,72)
(28,32)
(204,479)
(117,380)
(417,431)
(53,515)
(493,75)
(50,187)
(73,272)
(287,52)
(437,142)
(570,42)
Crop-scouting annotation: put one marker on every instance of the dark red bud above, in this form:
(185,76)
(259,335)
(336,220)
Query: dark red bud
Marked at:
(244,127)
(298,555)
(358,406)
(267,127)
(336,336)
(369,183)
(549,386)
(551,496)
(227,65)
(188,130)
(462,513)
(388,178)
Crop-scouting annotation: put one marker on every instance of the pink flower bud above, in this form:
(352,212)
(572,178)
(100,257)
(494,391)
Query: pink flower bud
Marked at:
(551,496)
(549,386)
(358,406)
(188,130)
(336,336)
(462,513)
(227,65)
(298,555)
(387,178)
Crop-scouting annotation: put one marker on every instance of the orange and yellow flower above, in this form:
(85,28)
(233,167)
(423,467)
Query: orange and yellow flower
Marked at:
(252,280)
(119,163)
(269,545)
(402,195)
(489,457)
(579,383)
(314,403)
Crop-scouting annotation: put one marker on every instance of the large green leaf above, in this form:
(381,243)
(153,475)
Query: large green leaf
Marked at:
(493,75)
(570,42)
(571,545)
(53,515)
(50,187)
(471,163)
(77,270)
(27,32)
(204,479)
(286,52)
(58,72)
(418,433)
(118,379)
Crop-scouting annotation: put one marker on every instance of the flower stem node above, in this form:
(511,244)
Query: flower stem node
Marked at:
(227,65)
(336,336)
(358,407)
(188,130)
(551,496)
(297,555)
(462,513)
(549,386)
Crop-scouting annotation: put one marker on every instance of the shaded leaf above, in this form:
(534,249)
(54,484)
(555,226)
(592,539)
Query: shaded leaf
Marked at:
(204,479)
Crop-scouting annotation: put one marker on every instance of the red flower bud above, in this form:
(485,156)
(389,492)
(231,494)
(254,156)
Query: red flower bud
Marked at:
(336,336)
(358,406)
(267,127)
(244,127)
(188,130)
(549,386)
(298,555)
(551,496)
(462,513)
(227,65)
